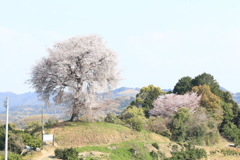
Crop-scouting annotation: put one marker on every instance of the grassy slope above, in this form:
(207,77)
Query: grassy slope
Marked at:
(99,133)
(111,140)
(100,137)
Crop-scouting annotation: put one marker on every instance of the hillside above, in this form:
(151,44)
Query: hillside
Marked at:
(81,134)
(100,138)
(114,142)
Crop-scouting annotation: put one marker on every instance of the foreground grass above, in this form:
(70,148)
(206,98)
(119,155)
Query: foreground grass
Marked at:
(125,150)
(94,148)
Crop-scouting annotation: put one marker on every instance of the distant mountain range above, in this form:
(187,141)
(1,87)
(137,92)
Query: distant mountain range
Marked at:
(30,98)
(28,104)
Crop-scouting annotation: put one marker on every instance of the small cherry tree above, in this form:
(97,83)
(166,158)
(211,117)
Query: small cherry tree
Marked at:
(168,104)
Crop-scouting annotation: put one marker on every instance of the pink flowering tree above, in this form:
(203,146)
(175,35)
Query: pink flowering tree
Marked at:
(168,104)
(74,72)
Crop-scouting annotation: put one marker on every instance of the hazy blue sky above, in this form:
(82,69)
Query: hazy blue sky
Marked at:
(158,41)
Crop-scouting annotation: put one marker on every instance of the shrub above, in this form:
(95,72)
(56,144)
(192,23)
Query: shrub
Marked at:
(139,152)
(136,123)
(154,155)
(178,125)
(112,118)
(155,145)
(58,153)
(233,133)
(33,127)
(213,152)
(190,153)
(12,156)
(51,121)
(157,125)
(15,143)
(166,133)
(131,112)
(66,153)
(175,148)
(232,151)
(162,155)
(31,140)
(18,139)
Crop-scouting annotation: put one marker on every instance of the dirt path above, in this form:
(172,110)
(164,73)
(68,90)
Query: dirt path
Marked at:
(48,151)
(47,155)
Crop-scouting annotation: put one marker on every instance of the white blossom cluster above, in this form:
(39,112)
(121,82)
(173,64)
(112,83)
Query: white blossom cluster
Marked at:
(169,104)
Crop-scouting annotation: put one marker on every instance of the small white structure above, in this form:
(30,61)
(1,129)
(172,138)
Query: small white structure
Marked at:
(48,139)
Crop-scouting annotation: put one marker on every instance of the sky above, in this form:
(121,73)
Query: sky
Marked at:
(158,41)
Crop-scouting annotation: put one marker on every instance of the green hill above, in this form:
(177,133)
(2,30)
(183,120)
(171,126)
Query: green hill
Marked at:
(108,141)
(80,134)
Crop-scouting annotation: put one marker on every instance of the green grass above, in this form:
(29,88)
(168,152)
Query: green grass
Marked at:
(121,153)
(130,150)
(124,150)
(90,125)
(94,148)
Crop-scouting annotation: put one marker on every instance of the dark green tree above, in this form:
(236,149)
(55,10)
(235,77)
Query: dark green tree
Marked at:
(227,98)
(183,86)
(179,126)
(146,97)
(209,80)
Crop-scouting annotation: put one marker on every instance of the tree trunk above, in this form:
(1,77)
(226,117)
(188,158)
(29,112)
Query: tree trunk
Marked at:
(74,117)
(75,111)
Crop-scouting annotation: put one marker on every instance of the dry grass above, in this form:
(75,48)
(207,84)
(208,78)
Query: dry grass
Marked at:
(81,134)
(223,144)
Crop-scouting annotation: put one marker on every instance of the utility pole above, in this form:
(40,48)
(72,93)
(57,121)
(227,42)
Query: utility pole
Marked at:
(6,134)
(42,127)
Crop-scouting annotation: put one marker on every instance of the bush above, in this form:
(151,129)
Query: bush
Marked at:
(154,155)
(232,132)
(15,143)
(196,134)
(131,112)
(31,141)
(166,133)
(175,148)
(162,155)
(66,153)
(190,153)
(112,118)
(12,156)
(17,139)
(155,145)
(33,127)
(51,121)
(58,153)
(227,152)
(157,125)
(136,123)
(139,152)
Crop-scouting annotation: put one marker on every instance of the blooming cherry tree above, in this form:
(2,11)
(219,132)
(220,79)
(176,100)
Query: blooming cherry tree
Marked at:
(169,104)
(75,70)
